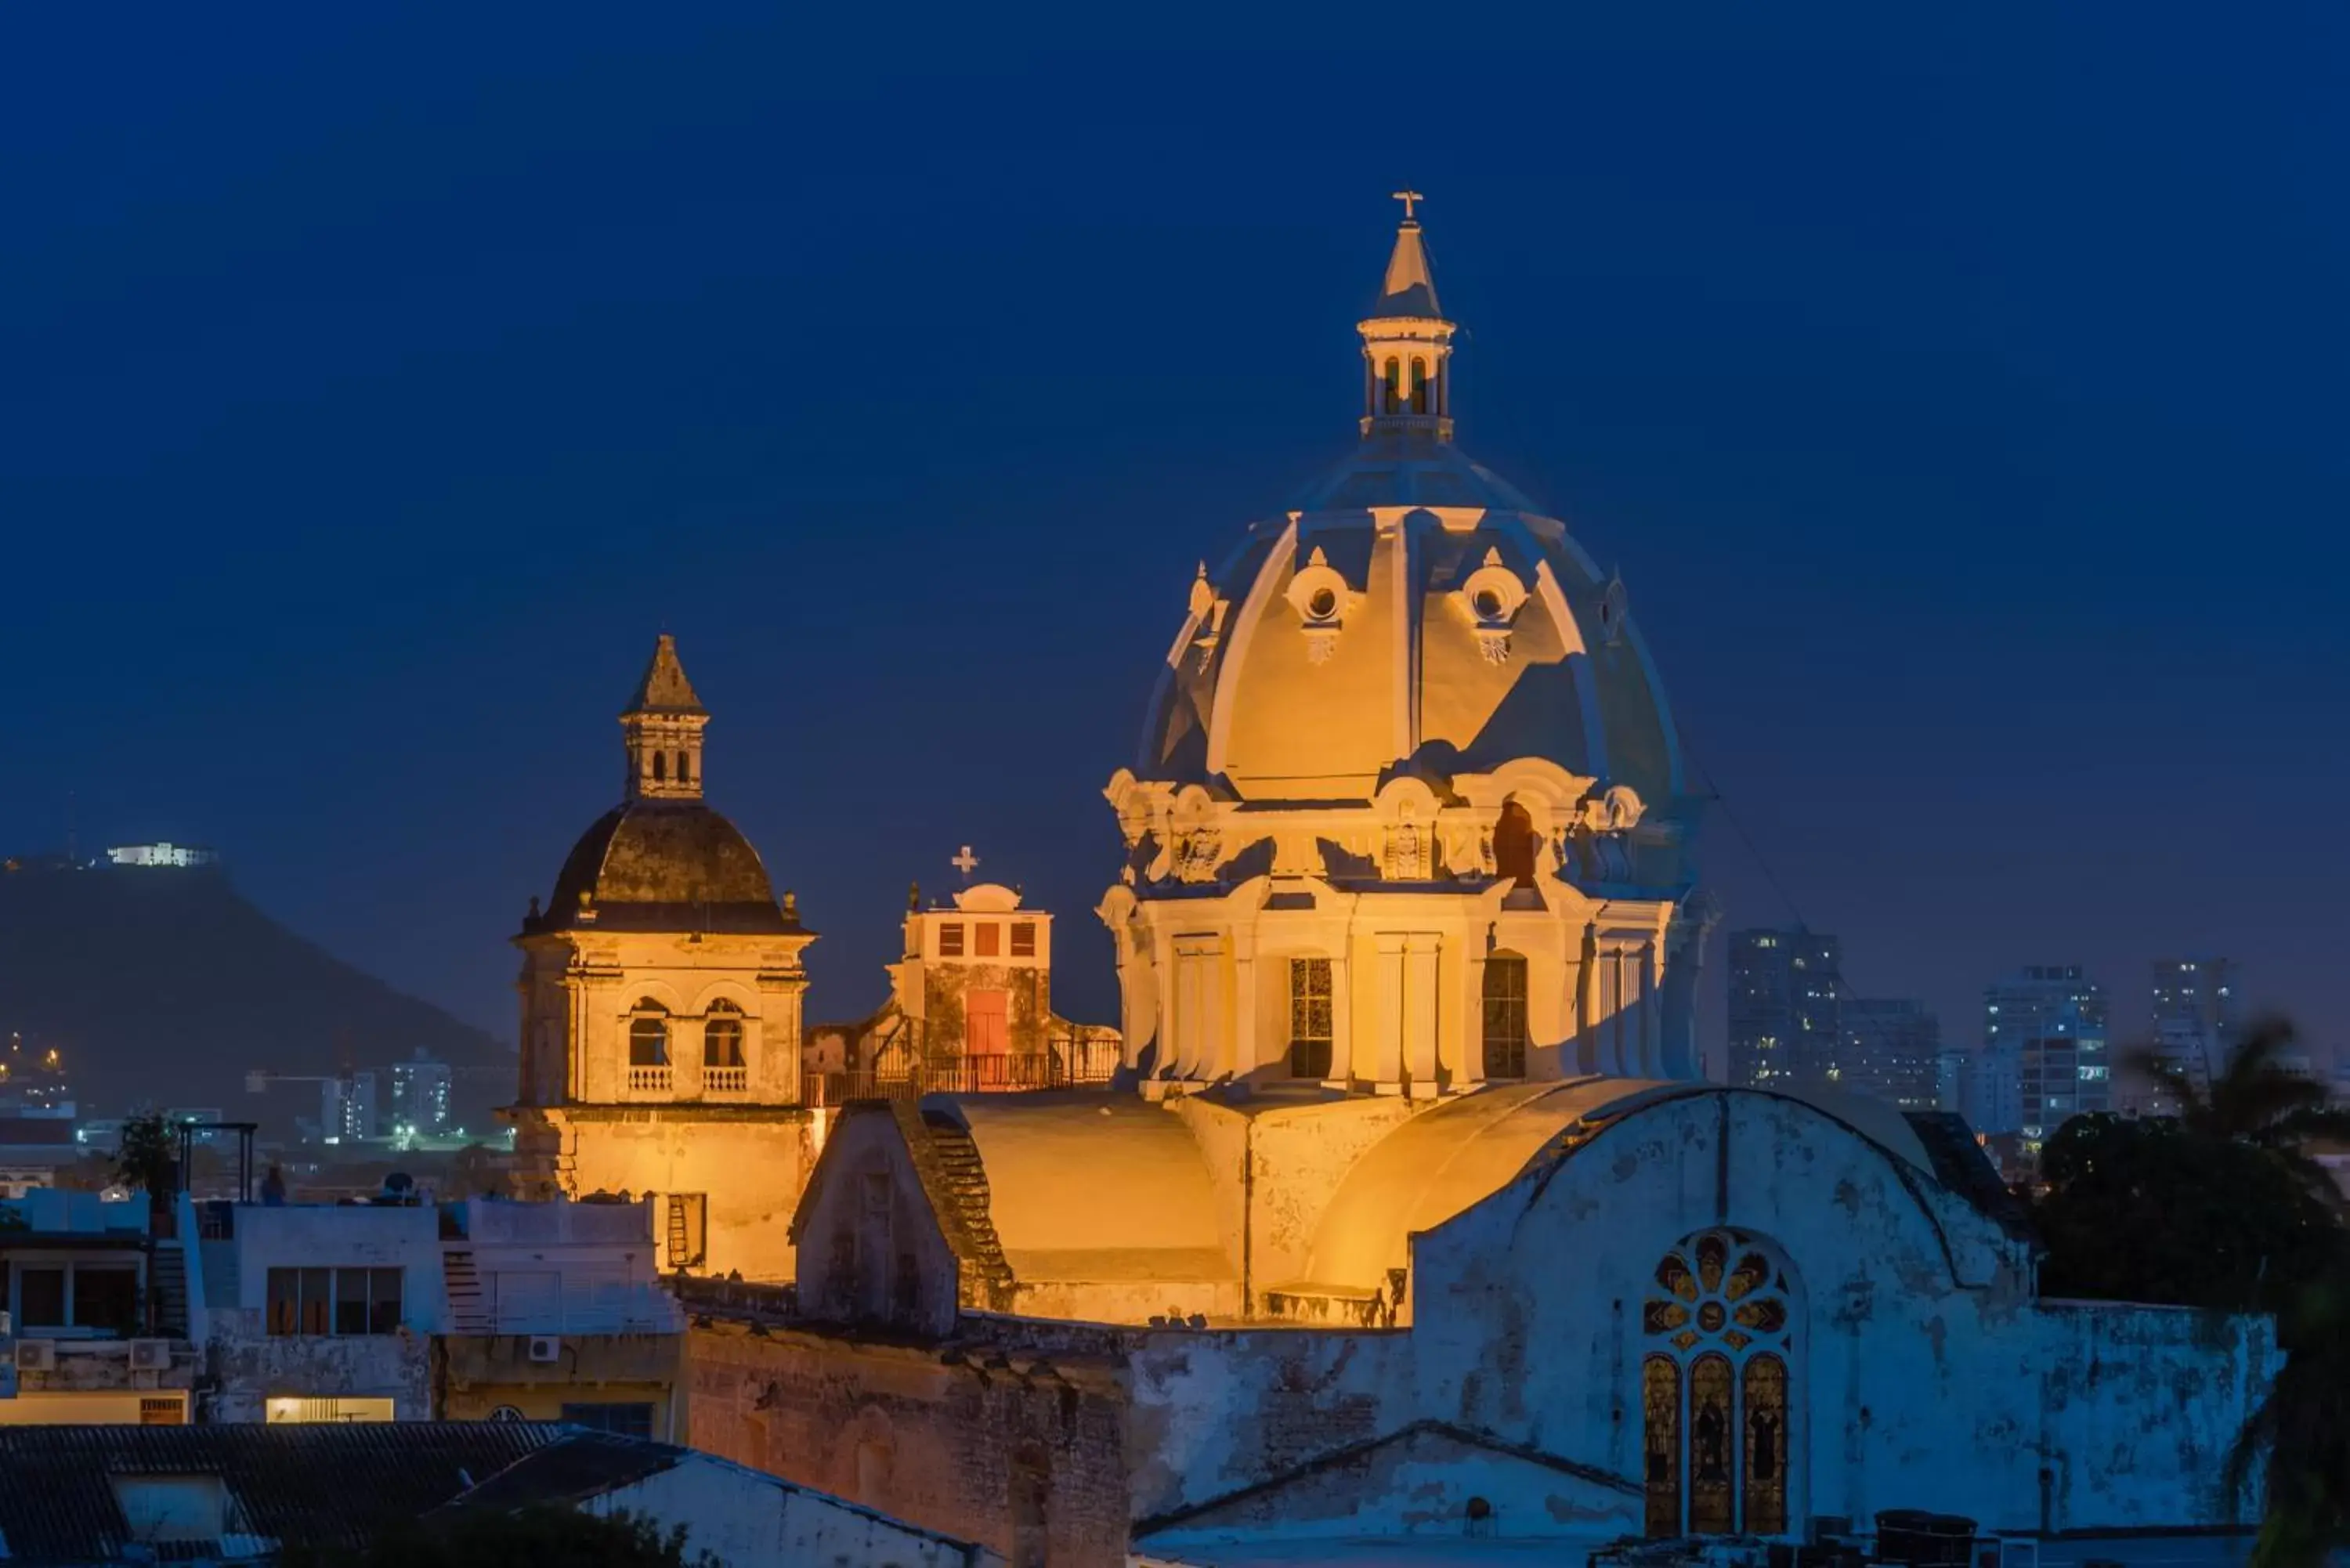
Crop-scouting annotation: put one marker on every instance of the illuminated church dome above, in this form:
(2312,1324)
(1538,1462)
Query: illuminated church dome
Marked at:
(664,859)
(1408,733)
(1412,612)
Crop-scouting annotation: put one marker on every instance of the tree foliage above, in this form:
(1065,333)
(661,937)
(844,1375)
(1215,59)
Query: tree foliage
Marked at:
(2255,1100)
(2298,1440)
(146,1157)
(2150,1211)
(484,1538)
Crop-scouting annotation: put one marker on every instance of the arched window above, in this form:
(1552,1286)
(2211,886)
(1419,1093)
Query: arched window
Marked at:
(722,1035)
(660,767)
(1418,387)
(1714,1389)
(1506,1016)
(1394,388)
(1514,843)
(648,1035)
(685,768)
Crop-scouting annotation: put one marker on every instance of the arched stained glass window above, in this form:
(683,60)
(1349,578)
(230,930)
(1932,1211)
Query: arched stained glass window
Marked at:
(1716,1388)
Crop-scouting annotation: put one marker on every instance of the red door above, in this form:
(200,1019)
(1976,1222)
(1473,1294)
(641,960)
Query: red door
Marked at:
(987,1037)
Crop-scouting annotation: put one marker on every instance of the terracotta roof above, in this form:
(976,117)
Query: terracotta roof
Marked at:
(329,1485)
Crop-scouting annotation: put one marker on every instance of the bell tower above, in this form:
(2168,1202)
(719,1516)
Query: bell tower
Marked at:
(1407,343)
(663,724)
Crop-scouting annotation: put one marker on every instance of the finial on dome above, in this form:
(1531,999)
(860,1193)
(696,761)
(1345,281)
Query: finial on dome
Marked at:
(1409,290)
(1204,593)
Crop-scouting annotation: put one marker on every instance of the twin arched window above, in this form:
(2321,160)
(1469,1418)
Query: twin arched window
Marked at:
(648,1035)
(721,1037)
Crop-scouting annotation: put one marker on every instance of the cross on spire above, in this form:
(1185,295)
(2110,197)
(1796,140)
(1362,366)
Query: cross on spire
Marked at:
(1407,197)
(965,862)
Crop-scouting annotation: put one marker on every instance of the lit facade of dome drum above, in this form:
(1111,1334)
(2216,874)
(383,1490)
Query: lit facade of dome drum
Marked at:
(1409,811)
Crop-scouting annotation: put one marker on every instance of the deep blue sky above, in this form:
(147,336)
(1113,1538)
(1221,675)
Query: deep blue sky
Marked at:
(1962,396)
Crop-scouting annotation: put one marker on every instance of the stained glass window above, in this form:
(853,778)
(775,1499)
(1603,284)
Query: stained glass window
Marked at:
(1766,1446)
(1660,1397)
(1711,1435)
(1716,1389)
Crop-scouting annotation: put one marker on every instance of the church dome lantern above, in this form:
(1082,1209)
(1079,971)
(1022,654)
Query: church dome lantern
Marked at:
(1414,689)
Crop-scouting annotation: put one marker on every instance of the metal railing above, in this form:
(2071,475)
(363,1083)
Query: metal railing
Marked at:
(1072,1062)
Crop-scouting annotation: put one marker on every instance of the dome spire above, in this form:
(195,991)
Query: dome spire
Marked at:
(1408,342)
(663,724)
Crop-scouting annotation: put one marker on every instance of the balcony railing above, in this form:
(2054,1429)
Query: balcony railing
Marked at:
(726,1080)
(1071,1063)
(649,1080)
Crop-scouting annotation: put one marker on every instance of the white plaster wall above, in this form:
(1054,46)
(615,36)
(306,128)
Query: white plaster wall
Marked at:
(343,1237)
(747,1519)
(1212,1412)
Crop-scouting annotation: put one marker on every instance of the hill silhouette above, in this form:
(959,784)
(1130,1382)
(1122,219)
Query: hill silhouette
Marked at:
(164,986)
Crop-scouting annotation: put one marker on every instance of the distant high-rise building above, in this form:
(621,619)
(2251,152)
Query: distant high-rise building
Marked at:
(347,1107)
(2197,1011)
(1892,1049)
(419,1095)
(1783,991)
(2044,1031)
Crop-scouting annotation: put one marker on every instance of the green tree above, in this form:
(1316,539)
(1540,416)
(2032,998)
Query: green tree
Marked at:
(2152,1210)
(485,1538)
(2298,1440)
(2255,1100)
(146,1155)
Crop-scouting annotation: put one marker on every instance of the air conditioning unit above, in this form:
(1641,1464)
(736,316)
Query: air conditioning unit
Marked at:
(150,1355)
(546,1347)
(37,1355)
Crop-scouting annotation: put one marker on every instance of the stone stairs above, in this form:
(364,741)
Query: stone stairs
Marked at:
(168,1280)
(956,1162)
(468,1312)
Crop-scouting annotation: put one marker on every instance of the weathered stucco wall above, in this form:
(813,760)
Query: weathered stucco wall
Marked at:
(924,1436)
(477,1374)
(749,1165)
(2139,1407)
(248,1367)
(871,1247)
(1212,1412)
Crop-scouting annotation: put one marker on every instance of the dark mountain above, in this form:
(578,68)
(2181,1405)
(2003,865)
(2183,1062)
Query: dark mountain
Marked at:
(163,986)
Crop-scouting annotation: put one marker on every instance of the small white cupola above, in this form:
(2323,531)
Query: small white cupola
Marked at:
(1407,342)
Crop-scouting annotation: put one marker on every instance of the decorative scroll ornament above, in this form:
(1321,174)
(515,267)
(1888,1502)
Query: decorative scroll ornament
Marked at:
(1197,854)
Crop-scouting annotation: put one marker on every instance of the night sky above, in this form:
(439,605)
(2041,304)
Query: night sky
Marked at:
(1962,398)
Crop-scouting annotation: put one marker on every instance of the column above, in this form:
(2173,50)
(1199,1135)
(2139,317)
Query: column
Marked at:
(1246,1004)
(1469,1071)
(1387,1026)
(1421,1013)
(1342,1022)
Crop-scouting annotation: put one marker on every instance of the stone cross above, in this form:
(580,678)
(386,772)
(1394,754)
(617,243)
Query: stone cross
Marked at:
(1408,197)
(965,862)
